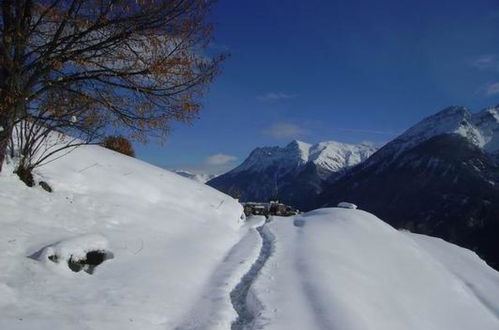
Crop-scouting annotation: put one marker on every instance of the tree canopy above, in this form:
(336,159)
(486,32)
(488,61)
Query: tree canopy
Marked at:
(84,67)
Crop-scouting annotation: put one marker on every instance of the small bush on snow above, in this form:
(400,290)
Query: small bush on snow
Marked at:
(119,144)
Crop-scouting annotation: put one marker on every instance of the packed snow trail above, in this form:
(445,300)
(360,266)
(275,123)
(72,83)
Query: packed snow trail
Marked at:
(245,307)
(214,309)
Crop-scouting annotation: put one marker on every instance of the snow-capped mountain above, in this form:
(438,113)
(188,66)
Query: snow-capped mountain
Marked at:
(295,174)
(198,177)
(440,177)
(479,129)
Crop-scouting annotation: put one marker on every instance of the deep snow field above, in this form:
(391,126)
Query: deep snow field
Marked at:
(345,269)
(168,234)
(183,257)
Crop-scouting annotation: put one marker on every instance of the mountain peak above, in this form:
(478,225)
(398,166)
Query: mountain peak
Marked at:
(331,156)
(487,122)
(451,120)
(298,143)
(454,110)
(301,148)
(296,173)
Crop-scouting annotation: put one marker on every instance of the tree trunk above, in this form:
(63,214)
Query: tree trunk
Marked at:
(6,128)
(9,113)
(5,134)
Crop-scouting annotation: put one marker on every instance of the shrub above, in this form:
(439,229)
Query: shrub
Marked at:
(25,175)
(119,144)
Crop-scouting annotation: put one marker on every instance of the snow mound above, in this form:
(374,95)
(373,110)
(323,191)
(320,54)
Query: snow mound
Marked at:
(346,205)
(168,235)
(348,270)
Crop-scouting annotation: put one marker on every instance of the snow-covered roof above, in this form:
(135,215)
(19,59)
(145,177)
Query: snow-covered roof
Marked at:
(347,205)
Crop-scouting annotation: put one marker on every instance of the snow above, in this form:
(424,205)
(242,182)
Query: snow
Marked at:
(336,156)
(293,155)
(480,129)
(198,177)
(57,256)
(185,258)
(169,236)
(347,270)
(487,122)
(476,275)
(76,247)
(215,310)
(347,205)
(331,156)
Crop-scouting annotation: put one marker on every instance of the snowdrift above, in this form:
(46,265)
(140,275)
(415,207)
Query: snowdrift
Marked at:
(175,254)
(345,269)
(167,235)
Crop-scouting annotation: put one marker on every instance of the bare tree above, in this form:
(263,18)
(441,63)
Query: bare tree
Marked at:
(85,67)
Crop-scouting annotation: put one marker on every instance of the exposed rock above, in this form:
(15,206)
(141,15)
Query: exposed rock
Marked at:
(45,186)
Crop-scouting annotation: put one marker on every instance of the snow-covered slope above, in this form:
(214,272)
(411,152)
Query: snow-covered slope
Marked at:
(198,177)
(181,258)
(168,236)
(334,157)
(346,269)
(487,123)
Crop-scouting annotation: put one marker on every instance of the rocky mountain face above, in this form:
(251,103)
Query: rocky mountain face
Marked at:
(440,177)
(295,174)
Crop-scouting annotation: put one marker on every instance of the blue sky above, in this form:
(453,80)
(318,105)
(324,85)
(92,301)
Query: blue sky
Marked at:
(349,71)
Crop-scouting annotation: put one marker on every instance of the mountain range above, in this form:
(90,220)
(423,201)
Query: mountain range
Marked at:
(295,174)
(440,177)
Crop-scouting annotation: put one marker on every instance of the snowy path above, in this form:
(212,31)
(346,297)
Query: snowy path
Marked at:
(345,270)
(246,305)
(214,310)
(287,300)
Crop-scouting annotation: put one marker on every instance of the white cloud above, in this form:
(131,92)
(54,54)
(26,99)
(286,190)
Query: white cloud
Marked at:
(220,159)
(492,89)
(285,131)
(273,96)
(486,62)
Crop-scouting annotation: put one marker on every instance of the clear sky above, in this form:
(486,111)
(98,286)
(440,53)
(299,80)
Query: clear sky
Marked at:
(350,71)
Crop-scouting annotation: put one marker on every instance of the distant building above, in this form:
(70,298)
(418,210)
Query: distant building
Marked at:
(268,209)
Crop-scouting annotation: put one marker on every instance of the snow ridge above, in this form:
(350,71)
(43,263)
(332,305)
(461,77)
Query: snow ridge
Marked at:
(331,156)
(480,129)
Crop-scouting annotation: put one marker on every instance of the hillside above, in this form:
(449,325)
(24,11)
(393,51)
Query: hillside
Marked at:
(348,270)
(167,234)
